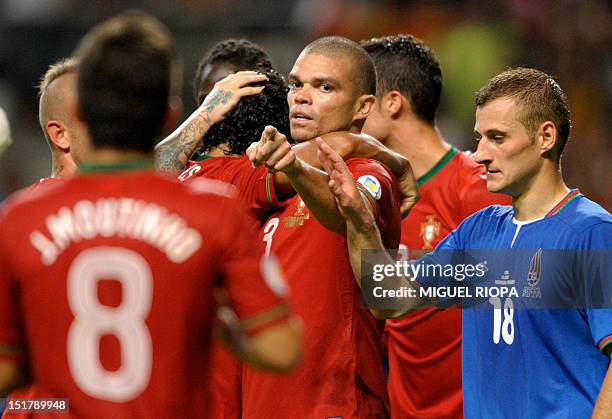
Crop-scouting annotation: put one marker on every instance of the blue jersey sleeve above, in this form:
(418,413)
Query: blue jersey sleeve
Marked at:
(595,265)
(428,271)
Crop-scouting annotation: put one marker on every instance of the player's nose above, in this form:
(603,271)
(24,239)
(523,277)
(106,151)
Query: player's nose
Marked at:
(483,153)
(302,96)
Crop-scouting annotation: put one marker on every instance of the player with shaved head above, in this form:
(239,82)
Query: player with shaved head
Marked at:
(346,94)
(64,134)
(331,88)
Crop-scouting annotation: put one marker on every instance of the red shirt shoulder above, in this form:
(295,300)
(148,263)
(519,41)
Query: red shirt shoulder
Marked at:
(450,192)
(255,186)
(380,187)
(43,183)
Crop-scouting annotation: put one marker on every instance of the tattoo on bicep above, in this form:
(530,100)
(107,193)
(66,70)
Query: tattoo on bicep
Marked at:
(174,155)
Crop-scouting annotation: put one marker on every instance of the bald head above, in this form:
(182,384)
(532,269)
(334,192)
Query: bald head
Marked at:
(362,67)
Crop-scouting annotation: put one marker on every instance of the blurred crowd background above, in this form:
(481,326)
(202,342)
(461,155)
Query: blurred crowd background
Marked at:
(474,40)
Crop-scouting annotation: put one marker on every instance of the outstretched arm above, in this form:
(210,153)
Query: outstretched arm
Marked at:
(370,147)
(173,153)
(361,228)
(349,145)
(274,152)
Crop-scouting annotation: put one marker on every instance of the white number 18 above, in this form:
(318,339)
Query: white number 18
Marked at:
(505,328)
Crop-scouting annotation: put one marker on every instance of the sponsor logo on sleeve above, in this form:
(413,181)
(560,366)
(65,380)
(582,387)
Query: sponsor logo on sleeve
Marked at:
(372,185)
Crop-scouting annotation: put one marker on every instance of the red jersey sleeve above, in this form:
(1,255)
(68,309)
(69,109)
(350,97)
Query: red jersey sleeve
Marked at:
(10,332)
(253,282)
(379,186)
(473,192)
(255,185)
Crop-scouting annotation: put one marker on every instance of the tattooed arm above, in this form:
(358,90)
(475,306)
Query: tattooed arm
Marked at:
(173,153)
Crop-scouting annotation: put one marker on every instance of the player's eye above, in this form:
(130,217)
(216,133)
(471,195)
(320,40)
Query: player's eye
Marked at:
(294,84)
(327,87)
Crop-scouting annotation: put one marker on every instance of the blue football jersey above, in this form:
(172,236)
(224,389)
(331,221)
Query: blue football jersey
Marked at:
(539,351)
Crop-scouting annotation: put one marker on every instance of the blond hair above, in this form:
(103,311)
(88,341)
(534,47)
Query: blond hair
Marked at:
(63,66)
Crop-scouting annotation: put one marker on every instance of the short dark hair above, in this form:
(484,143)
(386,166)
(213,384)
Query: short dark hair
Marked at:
(245,123)
(539,99)
(406,64)
(241,53)
(363,69)
(128,69)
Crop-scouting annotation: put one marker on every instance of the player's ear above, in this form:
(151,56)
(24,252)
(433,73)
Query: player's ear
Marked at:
(392,103)
(364,107)
(57,134)
(548,136)
(173,113)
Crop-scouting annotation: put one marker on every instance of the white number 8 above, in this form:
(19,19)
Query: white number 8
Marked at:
(92,320)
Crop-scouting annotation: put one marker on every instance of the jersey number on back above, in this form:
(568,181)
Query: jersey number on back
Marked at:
(92,320)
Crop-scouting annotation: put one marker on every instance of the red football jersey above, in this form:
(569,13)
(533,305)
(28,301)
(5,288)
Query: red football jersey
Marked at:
(425,346)
(40,184)
(255,186)
(341,371)
(107,279)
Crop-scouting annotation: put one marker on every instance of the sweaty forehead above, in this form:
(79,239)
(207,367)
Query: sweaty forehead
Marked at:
(500,114)
(310,66)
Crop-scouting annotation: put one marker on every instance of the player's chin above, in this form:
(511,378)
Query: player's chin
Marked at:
(301,134)
(495,186)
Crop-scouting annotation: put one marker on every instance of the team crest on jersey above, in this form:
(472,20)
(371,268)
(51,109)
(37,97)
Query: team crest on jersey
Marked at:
(430,229)
(372,185)
(533,277)
(299,217)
